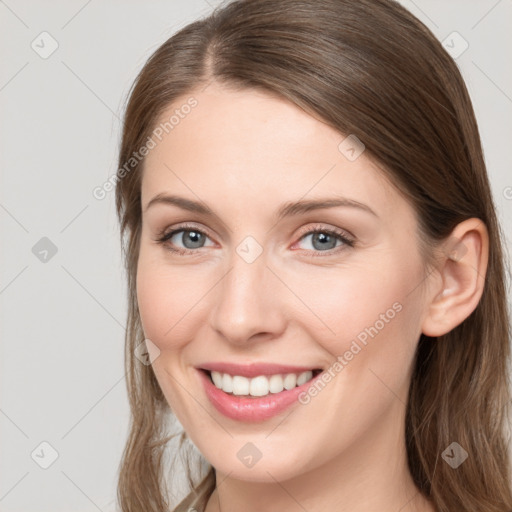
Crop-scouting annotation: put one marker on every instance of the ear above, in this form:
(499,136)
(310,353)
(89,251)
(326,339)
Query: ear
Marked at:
(462,268)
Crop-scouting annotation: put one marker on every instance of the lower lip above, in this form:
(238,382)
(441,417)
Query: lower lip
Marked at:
(251,409)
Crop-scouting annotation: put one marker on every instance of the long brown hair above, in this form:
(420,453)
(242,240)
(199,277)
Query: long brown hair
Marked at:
(371,69)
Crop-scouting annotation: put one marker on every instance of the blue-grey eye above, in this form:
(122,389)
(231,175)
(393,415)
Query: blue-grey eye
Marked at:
(322,240)
(190,239)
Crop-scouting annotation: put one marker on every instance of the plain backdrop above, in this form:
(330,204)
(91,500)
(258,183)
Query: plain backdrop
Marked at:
(62,290)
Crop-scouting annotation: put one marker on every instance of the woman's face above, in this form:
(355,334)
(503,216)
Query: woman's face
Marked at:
(336,288)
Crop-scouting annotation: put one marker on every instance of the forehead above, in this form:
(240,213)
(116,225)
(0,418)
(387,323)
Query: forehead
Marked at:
(248,144)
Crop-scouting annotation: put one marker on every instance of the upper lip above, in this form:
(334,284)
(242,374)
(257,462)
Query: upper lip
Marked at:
(254,369)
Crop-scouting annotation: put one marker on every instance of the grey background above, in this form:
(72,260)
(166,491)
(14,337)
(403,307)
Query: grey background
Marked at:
(62,319)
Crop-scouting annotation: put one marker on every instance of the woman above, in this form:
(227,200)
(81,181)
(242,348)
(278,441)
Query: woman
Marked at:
(314,266)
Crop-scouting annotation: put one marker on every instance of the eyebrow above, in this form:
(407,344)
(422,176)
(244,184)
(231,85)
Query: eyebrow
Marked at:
(286,210)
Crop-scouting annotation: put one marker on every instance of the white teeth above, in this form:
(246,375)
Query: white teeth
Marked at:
(217,379)
(290,381)
(240,385)
(276,384)
(261,385)
(304,377)
(227,383)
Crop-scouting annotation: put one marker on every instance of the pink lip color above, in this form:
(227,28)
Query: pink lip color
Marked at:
(251,409)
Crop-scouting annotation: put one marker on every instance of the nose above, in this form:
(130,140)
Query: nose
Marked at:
(248,304)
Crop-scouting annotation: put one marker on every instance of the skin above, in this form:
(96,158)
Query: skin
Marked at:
(244,154)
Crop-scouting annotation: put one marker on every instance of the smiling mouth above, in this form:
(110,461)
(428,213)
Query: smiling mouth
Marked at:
(260,386)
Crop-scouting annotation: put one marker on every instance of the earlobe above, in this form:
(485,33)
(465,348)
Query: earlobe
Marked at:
(462,267)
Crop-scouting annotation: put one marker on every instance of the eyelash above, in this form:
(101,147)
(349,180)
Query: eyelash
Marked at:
(163,237)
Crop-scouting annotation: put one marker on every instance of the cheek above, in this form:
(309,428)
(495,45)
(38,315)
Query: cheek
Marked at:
(151,298)
(169,298)
(367,313)
(166,296)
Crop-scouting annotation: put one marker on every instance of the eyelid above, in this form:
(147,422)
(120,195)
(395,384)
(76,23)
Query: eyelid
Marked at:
(326,228)
(168,232)
(347,238)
